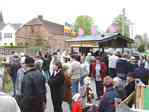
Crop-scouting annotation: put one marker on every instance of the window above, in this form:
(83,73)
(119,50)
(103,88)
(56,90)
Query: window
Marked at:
(5,44)
(7,35)
(26,44)
(11,44)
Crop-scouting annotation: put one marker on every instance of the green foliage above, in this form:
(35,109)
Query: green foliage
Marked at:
(123,24)
(12,47)
(141,48)
(142,40)
(84,22)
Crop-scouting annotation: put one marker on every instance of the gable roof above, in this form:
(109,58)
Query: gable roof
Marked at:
(109,39)
(55,28)
(52,27)
(16,26)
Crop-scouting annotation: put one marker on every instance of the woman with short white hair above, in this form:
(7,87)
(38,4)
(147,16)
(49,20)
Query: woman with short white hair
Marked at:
(7,103)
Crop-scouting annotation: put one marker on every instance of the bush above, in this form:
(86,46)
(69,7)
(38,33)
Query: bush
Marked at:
(141,48)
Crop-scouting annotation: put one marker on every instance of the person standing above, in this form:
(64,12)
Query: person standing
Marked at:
(112,64)
(51,66)
(18,84)
(130,87)
(33,88)
(45,67)
(96,72)
(122,67)
(107,102)
(75,73)
(68,94)
(14,64)
(8,103)
(56,84)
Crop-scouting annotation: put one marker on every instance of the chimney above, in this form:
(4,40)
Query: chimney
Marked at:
(40,17)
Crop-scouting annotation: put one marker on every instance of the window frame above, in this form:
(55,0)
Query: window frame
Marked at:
(7,35)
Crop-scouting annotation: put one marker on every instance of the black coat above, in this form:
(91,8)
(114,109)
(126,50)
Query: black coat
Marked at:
(130,88)
(122,66)
(56,84)
(33,91)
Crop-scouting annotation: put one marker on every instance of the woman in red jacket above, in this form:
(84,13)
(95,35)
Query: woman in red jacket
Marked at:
(96,73)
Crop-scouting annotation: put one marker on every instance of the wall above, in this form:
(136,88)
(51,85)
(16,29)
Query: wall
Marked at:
(8,29)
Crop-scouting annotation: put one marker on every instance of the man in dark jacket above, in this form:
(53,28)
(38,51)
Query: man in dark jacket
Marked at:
(130,87)
(122,67)
(56,84)
(33,88)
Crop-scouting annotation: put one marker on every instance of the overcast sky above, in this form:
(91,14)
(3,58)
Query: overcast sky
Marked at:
(60,11)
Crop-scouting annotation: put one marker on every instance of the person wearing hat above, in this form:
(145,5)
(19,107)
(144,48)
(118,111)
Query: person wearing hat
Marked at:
(33,88)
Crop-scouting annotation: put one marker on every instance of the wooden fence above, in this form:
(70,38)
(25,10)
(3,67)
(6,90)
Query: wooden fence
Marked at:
(29,51)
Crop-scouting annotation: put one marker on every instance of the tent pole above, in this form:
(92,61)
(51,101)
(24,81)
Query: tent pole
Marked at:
(102,50)
(122,49)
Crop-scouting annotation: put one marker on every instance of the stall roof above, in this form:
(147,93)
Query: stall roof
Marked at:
(107,40)
(99,38)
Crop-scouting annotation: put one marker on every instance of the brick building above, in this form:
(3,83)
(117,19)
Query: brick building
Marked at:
(40,32)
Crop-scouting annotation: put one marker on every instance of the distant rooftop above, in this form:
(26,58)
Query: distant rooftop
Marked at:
(53,27)
(3,24)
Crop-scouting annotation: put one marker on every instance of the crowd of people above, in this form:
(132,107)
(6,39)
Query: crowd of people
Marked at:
(42,83)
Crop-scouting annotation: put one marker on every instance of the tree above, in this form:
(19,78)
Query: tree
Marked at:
(84,22)
(123,23)
(142,42)
(141,48)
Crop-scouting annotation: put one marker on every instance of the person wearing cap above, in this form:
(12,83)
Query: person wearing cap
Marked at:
(107,103)
(33,88)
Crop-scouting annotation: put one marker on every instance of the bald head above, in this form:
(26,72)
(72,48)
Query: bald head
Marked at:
(108,81)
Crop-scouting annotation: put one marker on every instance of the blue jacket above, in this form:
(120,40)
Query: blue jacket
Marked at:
(107,103)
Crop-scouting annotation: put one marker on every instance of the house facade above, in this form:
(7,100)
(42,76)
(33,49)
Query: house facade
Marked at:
(39,32)
(7,33)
